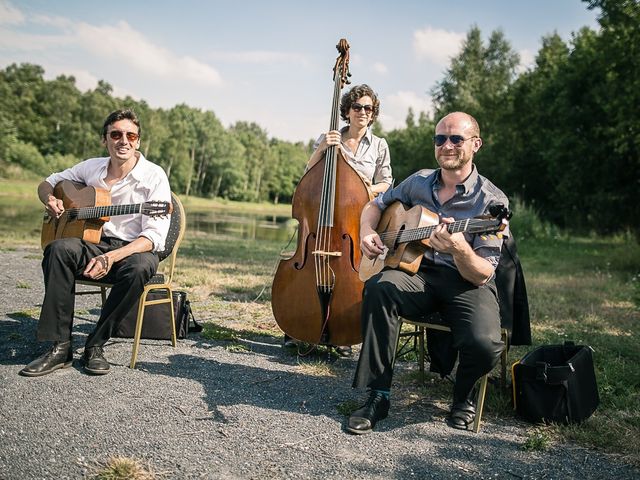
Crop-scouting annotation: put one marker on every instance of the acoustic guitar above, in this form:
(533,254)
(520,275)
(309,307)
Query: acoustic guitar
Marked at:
(405,234)
(86,209)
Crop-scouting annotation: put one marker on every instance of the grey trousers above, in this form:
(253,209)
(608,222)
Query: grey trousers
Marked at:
(65,260)
(471,312)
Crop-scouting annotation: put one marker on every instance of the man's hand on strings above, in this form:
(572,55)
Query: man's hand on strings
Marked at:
(371,245)
(54,206)
(98,267)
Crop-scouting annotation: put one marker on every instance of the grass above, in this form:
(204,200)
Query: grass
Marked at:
(585,289)
(123,468)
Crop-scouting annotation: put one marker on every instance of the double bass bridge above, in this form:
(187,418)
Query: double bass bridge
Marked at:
(326,254)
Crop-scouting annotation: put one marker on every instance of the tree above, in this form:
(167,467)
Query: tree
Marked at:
(477,82)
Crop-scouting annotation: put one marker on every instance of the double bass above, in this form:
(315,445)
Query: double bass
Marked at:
(317,293)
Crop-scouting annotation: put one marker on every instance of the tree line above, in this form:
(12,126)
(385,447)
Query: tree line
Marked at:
(49,125)
(563,135)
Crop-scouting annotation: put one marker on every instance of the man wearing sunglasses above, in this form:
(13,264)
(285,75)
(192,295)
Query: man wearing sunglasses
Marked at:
(455,278)
(125,256)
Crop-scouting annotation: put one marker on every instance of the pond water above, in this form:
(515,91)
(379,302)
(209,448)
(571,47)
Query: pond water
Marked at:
(25,218)
(241,225)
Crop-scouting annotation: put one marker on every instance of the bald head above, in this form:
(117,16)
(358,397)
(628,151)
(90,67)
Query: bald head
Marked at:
(460,120)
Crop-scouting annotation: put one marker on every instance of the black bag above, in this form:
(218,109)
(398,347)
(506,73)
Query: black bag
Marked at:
(555,383)
(156,324)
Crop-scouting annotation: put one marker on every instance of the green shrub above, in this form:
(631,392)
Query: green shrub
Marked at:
(527,224)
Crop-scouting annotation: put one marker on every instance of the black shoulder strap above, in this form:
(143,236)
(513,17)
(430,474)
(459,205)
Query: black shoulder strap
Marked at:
(196,327)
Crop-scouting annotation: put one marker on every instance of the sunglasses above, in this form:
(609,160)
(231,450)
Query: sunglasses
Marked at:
(456,140)
(117,135)
(357,107)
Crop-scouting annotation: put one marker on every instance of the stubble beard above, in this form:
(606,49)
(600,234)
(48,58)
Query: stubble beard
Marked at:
(453,162)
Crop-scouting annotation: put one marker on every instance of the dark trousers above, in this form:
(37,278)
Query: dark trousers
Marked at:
(64,260)
(471,312)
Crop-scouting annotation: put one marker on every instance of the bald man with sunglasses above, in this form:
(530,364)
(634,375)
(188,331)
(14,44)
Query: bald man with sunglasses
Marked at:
(455,278)
(125,256)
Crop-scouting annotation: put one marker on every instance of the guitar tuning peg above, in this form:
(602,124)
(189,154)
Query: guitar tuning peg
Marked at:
(483,237)
(499,235)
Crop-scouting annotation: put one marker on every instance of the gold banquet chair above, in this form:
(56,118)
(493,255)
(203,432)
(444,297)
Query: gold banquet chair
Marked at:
(418,336)
(159,283)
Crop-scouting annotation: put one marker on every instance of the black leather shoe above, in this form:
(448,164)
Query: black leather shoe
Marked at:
(365,418)
(58,356)
(288,342)
(94,361)
(462,415)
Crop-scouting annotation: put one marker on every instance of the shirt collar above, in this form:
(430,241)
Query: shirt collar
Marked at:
(464,187)
(368,134)
(142,167)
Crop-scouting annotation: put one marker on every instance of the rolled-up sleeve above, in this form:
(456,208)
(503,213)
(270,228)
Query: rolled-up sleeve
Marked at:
(156,228)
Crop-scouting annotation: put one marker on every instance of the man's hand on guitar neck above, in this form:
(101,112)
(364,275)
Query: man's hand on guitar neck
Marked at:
(471,266)
(443,241)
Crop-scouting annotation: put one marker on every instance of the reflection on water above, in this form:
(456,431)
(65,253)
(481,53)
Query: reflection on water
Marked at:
(25,218)
(241,225)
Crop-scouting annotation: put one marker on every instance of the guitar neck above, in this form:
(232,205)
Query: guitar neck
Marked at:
(470,224)
(86,213)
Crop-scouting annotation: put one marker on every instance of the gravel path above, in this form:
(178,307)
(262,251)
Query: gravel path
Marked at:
(202,411)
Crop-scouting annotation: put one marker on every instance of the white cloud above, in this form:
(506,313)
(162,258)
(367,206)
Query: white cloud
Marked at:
(380,68)
(24,42)
(437,45)
(395,107)
(132,49)
(9,15)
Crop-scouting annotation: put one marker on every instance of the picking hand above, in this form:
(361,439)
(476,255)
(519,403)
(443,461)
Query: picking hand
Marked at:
(371,245)
(54,206)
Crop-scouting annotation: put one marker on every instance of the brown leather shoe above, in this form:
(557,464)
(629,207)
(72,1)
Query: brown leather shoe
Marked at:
(59,356)
(94,361)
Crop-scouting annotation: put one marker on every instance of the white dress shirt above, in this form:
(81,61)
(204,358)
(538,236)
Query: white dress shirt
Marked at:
(145,182)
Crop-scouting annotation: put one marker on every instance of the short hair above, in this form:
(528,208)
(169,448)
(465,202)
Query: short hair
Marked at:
(353,95)
(123,114)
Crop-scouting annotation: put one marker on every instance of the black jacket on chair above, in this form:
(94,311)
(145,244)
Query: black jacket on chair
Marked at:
(514,311)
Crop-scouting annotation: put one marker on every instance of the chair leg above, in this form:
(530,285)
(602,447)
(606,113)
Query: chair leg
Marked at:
(482,392)
(138,332)
(174,339)
(503,359)
(421,355)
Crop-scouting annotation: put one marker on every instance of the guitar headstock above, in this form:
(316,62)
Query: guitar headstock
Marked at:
(155,208)
(494,223)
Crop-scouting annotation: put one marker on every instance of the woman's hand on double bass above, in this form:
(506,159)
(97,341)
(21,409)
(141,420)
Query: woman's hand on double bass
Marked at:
(329,139)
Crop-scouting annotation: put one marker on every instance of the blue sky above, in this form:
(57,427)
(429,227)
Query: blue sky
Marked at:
(264,61)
